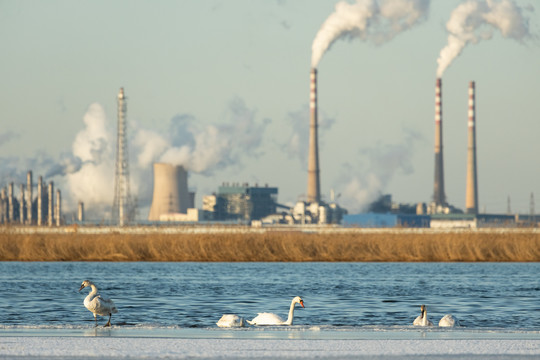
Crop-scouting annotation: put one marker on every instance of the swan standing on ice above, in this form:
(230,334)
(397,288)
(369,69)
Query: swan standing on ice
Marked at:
(449,321)
(422,320)
(98,305)
(231,320)
(273,319)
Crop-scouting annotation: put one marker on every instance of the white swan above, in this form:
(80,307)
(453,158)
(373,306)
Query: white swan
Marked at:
(273,319)
(96,304)
(422,320)
(231,320)
(449,320)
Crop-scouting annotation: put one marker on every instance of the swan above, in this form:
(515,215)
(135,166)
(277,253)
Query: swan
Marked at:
(98,305)
(273,319)
(449,320)
(422,320)
(231,320)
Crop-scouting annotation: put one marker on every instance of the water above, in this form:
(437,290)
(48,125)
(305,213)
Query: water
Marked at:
(345,298)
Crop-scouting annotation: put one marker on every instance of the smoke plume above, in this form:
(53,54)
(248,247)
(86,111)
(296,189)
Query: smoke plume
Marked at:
(476,20)
(204,149)
(376,21)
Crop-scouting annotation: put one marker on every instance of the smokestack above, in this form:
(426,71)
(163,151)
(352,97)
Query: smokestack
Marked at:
(438,194)
(58,208)
(29,198)
(80,215)
(471,199)
(11,210)
(50,205)
(171,193)
(314,187)
(21,205)
(40,201)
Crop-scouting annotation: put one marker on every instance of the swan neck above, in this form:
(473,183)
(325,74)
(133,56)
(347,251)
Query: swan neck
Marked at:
(291,314)
(93,293)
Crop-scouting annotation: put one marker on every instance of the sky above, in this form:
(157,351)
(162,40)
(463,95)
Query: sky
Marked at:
(222,87)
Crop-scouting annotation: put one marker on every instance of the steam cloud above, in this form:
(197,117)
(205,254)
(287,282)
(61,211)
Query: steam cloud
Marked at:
(87,172)
(377,21)
(469,18)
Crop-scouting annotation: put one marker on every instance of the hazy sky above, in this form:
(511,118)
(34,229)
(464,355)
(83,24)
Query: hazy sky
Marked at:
(223,88)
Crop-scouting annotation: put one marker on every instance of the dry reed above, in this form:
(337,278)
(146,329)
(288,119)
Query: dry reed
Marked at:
(273,246)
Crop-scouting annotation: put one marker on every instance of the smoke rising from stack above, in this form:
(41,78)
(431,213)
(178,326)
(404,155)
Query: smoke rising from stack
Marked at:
(474,21)
(367,20)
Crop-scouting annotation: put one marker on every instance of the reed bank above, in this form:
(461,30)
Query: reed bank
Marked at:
(288,244)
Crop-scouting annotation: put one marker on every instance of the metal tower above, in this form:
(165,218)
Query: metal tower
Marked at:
(123,210)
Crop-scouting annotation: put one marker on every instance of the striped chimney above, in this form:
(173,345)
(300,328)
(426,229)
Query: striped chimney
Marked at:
(471,198)
(438,194)
(314,187)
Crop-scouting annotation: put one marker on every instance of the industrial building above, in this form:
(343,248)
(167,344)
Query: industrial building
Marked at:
(241,202)
(27,210)
(374,220)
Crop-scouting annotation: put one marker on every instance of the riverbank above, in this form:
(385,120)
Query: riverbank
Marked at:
(261,245)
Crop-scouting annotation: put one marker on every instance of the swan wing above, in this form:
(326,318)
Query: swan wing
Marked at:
(266,319)
(103,306)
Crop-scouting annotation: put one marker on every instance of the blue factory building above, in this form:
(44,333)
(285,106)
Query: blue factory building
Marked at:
(376,220)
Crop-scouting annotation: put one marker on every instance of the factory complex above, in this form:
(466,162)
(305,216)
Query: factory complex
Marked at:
(258,206)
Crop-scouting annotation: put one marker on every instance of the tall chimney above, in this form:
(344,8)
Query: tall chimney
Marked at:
(471,198)
(50,205)
(40,201)
(314,187)
(29,197)
(22,205)
(438,194)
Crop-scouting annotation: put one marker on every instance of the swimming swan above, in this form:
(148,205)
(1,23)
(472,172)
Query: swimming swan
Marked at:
(98,305)
(422,320)
(231,320)
(449,321)
(273,319)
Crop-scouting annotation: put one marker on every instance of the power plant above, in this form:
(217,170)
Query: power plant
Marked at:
(471,197)
(245,204)
(123,210)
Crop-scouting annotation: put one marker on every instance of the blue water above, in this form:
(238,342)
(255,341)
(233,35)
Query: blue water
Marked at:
(496,297)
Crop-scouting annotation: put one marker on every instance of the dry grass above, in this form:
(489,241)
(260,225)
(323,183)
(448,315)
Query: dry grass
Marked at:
(279,246)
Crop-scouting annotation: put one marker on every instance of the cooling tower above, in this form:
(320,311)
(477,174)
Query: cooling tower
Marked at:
(438,194)
(471,198)
(314,187)
(170,191)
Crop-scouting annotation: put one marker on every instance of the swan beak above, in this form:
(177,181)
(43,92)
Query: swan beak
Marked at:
(302,303)
(82,287)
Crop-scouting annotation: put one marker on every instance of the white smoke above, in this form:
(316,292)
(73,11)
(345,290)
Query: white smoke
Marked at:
(377,21)
(87,172)
(203,149)
(93,181)
(363,182)
(476,20)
